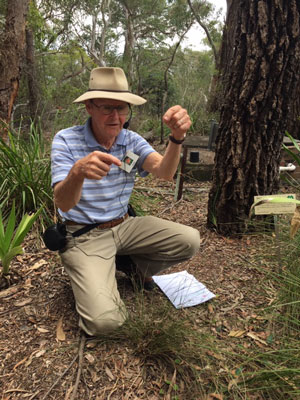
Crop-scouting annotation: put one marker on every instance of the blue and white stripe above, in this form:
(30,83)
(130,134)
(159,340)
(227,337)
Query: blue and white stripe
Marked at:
(105,199)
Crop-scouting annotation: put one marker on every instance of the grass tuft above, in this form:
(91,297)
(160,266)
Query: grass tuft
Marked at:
(25,175)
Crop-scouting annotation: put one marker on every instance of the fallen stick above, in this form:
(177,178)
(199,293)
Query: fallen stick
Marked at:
(60,377)
(80,363)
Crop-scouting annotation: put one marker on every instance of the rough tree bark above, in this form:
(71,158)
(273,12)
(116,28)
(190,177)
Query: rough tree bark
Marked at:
(263,78)
(293,124)
(224,56)
(12,46)
(32,81)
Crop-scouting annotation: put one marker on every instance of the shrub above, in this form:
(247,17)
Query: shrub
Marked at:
(25,175)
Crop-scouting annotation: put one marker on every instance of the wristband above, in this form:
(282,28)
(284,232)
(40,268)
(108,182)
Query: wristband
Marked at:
(172,139)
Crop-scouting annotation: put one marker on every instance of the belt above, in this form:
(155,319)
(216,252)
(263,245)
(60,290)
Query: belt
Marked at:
(104,225)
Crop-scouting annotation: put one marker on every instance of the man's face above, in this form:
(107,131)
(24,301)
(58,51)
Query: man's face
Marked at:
(108,117)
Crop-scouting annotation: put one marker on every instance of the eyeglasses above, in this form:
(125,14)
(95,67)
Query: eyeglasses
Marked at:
(107,109)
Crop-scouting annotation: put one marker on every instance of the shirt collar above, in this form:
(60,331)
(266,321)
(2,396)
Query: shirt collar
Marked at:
(92,142)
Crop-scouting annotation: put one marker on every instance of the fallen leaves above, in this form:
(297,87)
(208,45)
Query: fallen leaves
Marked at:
(90,358)
(9,291)
(237,333)
(40,332)
(22,303)
(109,374)
(28,360)
(255,337)
(60,334)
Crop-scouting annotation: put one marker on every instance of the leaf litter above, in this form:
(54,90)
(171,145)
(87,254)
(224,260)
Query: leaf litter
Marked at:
(39,328)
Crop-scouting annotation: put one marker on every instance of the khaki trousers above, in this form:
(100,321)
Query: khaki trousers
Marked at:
(154,244)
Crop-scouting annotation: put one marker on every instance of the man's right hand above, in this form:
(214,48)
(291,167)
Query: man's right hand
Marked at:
(95,165)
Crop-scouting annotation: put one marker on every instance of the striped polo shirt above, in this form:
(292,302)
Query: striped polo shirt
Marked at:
(105,199)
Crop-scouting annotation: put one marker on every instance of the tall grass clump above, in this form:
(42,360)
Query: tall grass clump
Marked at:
(167,342)
(270,374)
(275,373)
(288,299)
(25,174)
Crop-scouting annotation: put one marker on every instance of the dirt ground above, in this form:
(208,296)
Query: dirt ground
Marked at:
(39,346)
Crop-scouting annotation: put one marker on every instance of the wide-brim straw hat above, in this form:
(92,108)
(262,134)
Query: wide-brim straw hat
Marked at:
(109,83)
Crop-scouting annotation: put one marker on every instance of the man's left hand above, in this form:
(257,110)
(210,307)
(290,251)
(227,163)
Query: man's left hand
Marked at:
(178,120)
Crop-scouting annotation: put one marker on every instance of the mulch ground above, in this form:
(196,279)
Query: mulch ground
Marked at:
(39,346)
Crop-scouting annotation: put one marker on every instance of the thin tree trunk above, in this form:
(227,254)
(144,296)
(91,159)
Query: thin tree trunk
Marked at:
(166,85)
(262,86)
(128,55)
(206,30)
(31,75)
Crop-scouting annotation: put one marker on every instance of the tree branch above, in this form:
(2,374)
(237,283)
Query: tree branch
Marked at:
(203,26)
(75,73)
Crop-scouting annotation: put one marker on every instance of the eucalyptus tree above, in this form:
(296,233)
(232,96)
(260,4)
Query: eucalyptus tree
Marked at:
(93,29)
(12,47)
(200,11)
(158,23)
(261,85)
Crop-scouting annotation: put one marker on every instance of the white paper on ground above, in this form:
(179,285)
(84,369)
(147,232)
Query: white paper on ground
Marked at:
(183,289)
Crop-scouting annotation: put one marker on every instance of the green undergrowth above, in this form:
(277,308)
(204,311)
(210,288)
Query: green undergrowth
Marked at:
(25,174)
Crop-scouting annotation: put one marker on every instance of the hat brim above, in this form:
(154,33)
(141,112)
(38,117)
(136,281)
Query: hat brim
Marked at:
(122,96)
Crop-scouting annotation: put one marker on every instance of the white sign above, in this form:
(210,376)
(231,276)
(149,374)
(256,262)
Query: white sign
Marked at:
(266,207)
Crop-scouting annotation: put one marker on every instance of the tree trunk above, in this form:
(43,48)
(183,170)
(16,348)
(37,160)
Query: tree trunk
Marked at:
(225,55)
(262,85)
(293,124)
(128,55)
(33,92)
(11,54)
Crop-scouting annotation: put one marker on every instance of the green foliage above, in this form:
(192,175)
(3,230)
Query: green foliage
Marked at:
(294,156)
(287,305)
(143,204)
(179,14)
(192,77)
(65,56)
(12,238)
(37,24)
(60,81)
(25,175)
(275,373)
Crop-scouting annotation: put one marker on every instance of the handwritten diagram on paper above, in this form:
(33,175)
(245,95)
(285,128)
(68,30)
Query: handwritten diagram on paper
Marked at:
(183,289)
